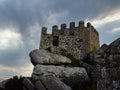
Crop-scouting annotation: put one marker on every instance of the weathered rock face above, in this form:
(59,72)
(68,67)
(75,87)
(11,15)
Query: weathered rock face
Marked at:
(39,85)
(52,70)
(53,83)
(69,75)
(108,66)
(42,56)
(28,84)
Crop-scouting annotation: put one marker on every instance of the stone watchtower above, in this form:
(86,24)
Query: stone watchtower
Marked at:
(76,41)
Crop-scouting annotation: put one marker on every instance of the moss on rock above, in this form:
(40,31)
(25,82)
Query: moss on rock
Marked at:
(74,61)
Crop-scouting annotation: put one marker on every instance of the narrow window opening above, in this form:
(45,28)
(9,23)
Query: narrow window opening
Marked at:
(55,40)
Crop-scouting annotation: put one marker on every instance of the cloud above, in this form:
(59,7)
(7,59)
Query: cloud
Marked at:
(106,18)
(54,17)
(24,70)
(11,47)
(115,30)
(9,38)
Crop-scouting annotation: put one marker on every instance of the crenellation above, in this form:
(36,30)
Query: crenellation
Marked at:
(81,24)
(88,25)
(92,28)
(77,41)
(44,30)
(72,25)
(72,28)
(63,27)
(55,31)
(55,28)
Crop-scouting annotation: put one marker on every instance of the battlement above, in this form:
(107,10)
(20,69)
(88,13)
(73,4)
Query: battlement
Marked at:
(64,30)
(75,40)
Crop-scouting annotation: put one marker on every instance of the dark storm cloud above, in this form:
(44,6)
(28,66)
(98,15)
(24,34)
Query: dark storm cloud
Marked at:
(82,9)
(22,14)
(18,13)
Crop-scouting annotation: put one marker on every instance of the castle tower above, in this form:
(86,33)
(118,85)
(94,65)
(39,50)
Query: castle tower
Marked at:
(94,38)
(77,41)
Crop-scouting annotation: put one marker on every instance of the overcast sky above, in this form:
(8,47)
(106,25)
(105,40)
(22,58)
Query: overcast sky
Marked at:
(21,22)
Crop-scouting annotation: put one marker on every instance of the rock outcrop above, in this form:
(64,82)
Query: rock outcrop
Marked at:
(53,68)
(70,75)
(42,56)
(108,66)
(53,83)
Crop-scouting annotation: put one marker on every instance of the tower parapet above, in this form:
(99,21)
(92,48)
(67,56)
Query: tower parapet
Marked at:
(75,40)
(81,24)
(88,25)
(55,31)
(63,26)
(44,30)
(72,25)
